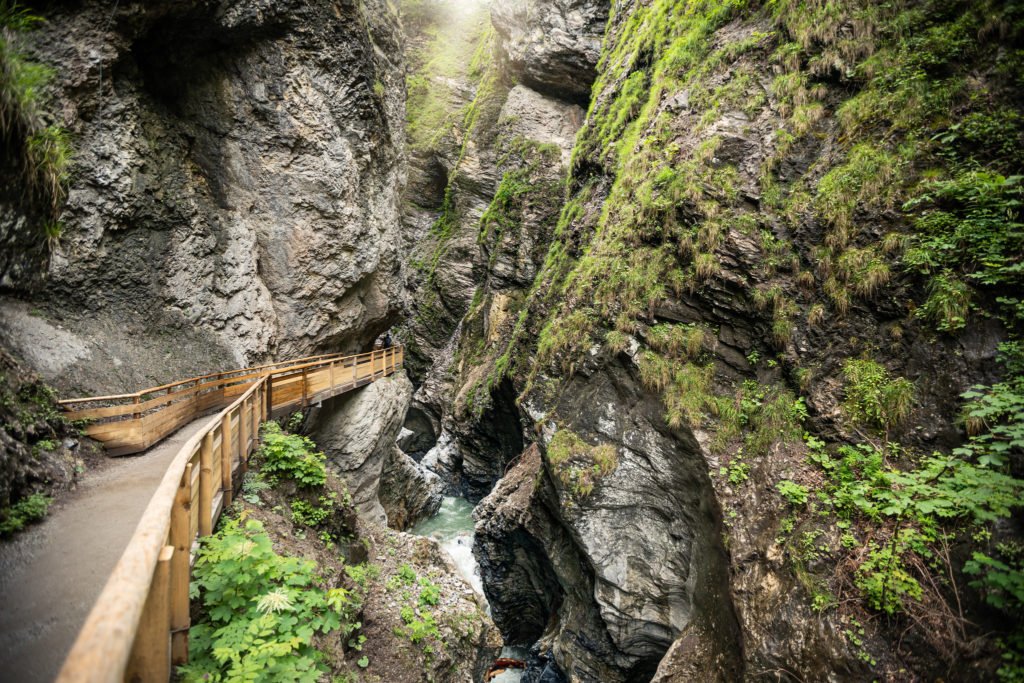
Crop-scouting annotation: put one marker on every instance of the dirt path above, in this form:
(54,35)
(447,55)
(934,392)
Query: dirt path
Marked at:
(51,575)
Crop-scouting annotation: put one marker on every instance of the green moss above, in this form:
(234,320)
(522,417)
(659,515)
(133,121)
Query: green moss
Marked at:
(579,465)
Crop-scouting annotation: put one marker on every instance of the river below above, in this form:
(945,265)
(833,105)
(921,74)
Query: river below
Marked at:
(452,528)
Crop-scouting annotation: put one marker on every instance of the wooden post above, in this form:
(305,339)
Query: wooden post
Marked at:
(257,415)
(181,539)
(151,655)
(270,396)
(303,404)
(355,370)
(206,486)
(136,415)
(226,484)
(243,432)
(243,439)
(330,370)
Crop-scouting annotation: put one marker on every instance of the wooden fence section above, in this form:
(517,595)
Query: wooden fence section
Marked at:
(138,628)
(131,423)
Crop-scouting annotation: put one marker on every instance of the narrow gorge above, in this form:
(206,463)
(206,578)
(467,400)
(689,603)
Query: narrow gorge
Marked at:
(710,318)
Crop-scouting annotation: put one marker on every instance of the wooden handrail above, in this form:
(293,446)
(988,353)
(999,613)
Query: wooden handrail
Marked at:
(131,425)
(162,387)
(138,628)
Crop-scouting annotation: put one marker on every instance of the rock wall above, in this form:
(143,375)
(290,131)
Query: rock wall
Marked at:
(237,171)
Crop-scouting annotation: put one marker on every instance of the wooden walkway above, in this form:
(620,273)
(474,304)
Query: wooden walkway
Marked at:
(50,577)
(138,627)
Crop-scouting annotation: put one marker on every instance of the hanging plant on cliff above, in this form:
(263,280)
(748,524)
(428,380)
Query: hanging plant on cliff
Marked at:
(42,149)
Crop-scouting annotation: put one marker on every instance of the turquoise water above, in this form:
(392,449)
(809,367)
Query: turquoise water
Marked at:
(453,519)
(452,528)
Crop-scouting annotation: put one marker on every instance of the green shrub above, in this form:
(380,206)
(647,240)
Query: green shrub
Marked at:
(406,574)
(994,415)
(1001,582)
(291,456)
(430,593)
(25,511)
(252,485)
(261,611)
(970,229)
(419,625)
(885,582)
(918,506)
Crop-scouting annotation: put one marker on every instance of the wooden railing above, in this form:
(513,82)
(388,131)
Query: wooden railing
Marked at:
(138,628)
(131,423)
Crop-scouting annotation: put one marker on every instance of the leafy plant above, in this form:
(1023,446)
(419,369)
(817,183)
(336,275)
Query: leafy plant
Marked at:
(311,515)
(970,228)
(1001,582)
(917,505)
(362,574)
(884,580)
(994,415)
(252,485)
(794,493)
(261,611)
(430,593)
(292,456)
(406,574)
(419,625)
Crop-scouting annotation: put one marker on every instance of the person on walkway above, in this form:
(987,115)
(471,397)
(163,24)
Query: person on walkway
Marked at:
(387,340)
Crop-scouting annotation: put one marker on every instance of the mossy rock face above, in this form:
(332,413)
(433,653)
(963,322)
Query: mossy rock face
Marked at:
(762,196)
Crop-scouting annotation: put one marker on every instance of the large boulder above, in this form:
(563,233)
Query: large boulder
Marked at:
(357,431)
(552,47)
(408,491)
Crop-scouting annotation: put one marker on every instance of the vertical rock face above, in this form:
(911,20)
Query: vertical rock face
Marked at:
(237,169)
(503,142)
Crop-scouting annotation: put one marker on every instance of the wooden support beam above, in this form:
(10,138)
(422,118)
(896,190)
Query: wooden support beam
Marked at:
(270,396)
(206,486)
(150,659)
(181,539)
